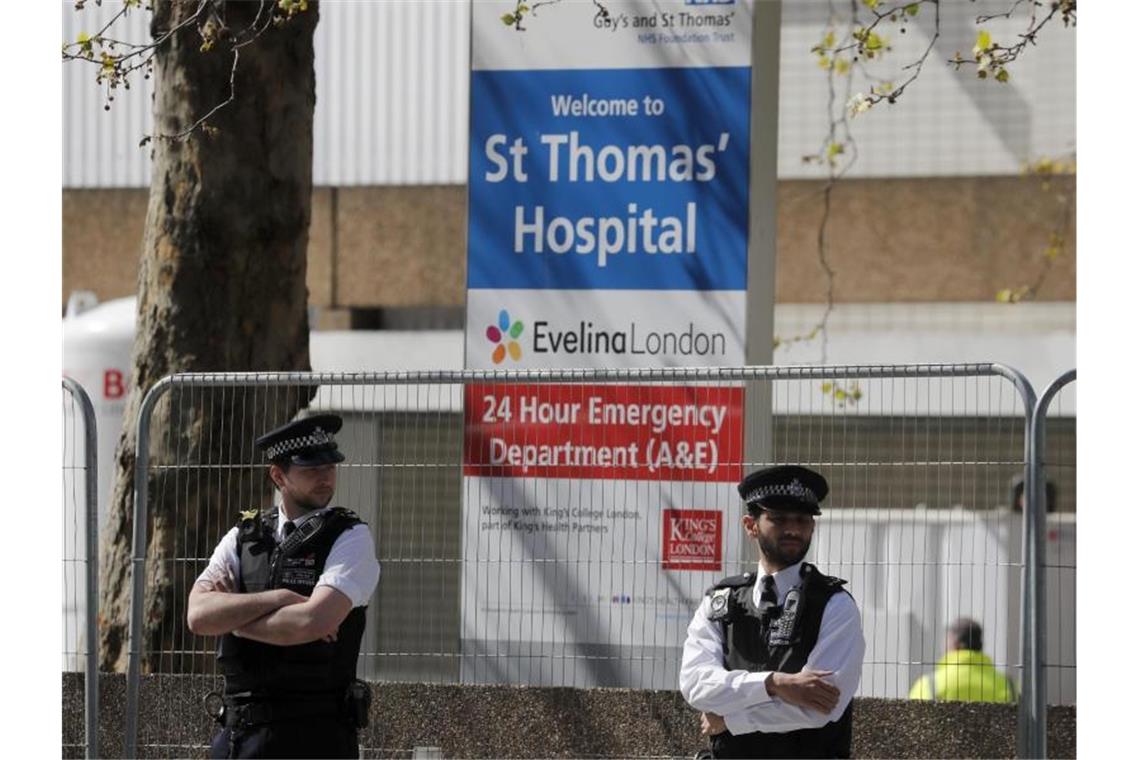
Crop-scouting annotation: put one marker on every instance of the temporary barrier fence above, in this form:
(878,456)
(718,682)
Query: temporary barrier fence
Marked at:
(559,527)
(80,554)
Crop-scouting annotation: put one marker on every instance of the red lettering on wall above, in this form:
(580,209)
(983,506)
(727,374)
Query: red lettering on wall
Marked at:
(113,385)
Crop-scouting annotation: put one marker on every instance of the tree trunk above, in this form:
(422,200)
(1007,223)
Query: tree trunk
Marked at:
(221,288)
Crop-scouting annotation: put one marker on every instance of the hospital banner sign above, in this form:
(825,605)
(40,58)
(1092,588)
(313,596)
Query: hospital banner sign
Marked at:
(608,210)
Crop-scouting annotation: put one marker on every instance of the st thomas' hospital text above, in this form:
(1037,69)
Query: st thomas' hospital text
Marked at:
(638,229)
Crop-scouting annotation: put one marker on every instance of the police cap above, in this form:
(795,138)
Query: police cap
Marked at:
(306,442)
(786,487)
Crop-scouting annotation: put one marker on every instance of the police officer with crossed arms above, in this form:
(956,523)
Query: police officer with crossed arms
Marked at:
(772,659)
(286,590)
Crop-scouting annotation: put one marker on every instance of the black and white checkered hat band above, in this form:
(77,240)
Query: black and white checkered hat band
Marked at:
(316,438)
(795,490)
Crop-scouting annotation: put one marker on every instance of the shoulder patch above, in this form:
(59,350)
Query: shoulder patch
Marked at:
(248,514)
(718,602)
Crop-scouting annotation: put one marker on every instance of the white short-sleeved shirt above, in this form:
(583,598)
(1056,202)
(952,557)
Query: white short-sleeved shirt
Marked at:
(351,567)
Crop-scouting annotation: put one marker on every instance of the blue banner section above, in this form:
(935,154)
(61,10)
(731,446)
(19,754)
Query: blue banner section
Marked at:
(629,179)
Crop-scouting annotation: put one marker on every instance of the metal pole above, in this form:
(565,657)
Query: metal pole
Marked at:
(138,563)
(1034,698)
(664,374)
(760,297)
(90,488)
(1027,719)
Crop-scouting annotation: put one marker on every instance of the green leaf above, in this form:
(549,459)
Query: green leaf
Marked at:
(912,9)
(508,19)
(983,43)
(1002,75)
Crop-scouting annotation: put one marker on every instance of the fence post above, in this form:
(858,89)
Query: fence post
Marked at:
(1033,699)
(1028,717)
(91,520)
(138,564)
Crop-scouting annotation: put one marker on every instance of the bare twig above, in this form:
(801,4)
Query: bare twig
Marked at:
(116,67)
(233,92)
(983,18)
(993,58)
(136,48)
(1047,168)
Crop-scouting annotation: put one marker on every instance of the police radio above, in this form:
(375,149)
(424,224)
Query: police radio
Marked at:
(785,631)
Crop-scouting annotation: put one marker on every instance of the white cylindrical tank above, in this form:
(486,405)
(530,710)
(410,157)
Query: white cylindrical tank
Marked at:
(97,342)
(97,355)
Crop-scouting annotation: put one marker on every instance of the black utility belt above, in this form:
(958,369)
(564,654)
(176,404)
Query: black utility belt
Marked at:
(258,713)
(352,705)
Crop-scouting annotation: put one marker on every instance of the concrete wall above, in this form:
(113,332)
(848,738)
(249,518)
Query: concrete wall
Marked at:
(504,721)
(945,239)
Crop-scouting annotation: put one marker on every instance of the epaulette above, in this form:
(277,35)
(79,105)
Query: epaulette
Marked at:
(345,514)
(733,581)
(827,581)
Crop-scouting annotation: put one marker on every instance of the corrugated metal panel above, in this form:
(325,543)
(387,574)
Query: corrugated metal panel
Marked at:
(392,100)
(100,147)
(948,123)
(391,93)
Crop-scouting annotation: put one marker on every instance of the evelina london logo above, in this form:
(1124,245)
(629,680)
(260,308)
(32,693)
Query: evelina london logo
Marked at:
(505,337)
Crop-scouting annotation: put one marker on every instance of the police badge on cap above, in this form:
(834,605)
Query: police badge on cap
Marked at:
(787,487)
(307,442)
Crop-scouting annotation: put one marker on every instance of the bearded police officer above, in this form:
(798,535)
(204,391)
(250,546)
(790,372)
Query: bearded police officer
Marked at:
(772,659)
(286,591)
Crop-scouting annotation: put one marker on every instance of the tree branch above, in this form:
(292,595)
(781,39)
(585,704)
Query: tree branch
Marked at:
(116,67)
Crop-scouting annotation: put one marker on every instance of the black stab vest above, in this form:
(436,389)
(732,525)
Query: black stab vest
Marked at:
(264,670)
(746,631)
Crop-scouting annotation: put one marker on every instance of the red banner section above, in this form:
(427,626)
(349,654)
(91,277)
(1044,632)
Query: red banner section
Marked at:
(614,432)
(690,539)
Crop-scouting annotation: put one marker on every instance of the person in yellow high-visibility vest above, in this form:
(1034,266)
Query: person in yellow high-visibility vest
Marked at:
(965,673)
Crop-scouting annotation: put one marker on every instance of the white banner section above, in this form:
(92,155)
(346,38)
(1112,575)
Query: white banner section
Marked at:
(588,328)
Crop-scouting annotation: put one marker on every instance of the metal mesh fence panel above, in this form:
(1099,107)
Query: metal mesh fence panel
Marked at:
(80,572)
(559,528)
